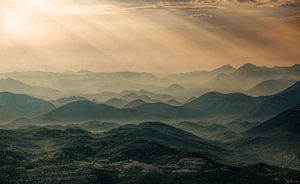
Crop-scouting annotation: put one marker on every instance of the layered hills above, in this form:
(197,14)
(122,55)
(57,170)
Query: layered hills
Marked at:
(103,86)
(78,156)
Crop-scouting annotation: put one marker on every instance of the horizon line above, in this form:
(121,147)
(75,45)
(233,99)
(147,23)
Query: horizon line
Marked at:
(148,72)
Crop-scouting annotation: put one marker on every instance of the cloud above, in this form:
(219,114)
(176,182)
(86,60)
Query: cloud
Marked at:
(202,15)
(271,3)
(174,36)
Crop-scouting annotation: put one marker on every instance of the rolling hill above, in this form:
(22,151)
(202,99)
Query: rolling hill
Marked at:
(286,122)
(13,106)
(15,86)
(269,87)
(225,106)
(169,111)
(169,136)
(275,141)
(116,102)
(134,103)
(63,101)
(86,110)
(275,104)
(145,156)
(175,90)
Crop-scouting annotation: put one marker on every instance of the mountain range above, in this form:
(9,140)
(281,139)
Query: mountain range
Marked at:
(212,106)
(228,125)
(97,85)
(255,75)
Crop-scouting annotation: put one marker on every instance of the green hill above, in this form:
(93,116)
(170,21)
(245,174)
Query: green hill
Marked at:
(13,106)
(217,105)
(85,110)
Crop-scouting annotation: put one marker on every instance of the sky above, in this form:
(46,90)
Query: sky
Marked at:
(158,36)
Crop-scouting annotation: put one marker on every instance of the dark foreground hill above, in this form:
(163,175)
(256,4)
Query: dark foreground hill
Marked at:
(169,136)
(286,122)
(41,155)
(276,141)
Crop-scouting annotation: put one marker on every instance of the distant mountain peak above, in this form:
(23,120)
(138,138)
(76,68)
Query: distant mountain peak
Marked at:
(173,102)
(134,103)
(84,71)
(226,69)
(215,94)
(248,66)
(145,92)
(296,66)
(13,81)
(175,86)
(212,93)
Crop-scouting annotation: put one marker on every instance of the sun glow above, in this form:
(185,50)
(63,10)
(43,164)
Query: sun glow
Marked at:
(112,36)
(25,20)
(16,24)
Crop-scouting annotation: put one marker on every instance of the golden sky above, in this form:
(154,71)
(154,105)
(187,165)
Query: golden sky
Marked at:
(162,37)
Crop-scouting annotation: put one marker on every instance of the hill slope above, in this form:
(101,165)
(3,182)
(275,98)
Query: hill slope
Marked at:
(15,86)
(169,111)
(168,136)
(116,102)
(269,87)
(276,141)
(288,121)
(275,104)
(77,156)
(217,105)
(13,106)
(63,101)
(86,110)
(134,103)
